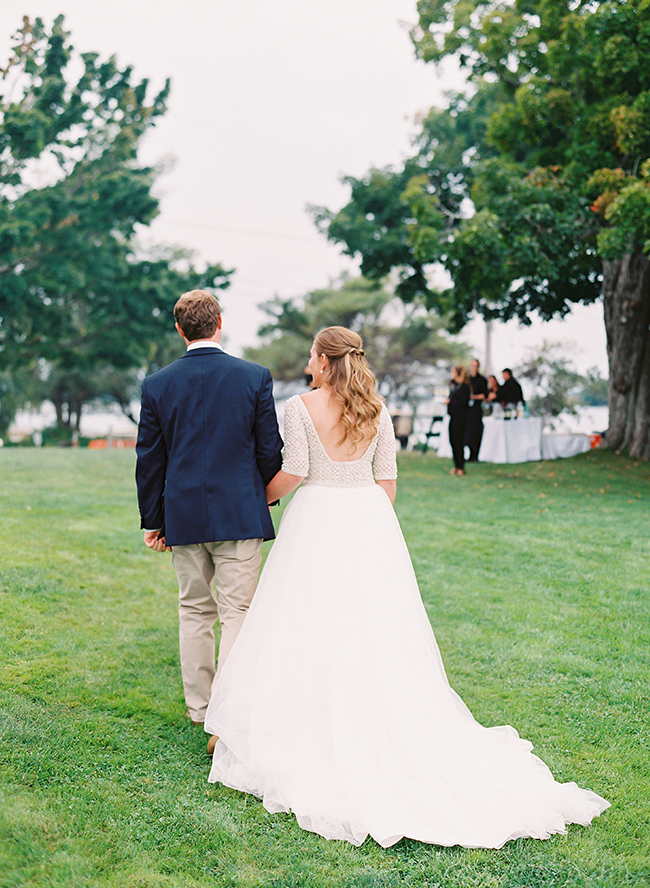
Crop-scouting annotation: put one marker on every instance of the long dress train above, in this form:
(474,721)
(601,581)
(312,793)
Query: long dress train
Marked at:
(334,702)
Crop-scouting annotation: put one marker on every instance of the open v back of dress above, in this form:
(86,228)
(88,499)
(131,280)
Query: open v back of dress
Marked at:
(339,433)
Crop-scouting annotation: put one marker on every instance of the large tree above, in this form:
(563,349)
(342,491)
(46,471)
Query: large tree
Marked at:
(76,292)
(532,188)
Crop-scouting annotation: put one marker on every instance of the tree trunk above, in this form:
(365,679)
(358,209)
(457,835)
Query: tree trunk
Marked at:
(62,416)
(626,301)
(75,408)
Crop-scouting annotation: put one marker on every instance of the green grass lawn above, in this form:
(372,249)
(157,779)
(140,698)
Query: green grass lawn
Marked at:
(536,580)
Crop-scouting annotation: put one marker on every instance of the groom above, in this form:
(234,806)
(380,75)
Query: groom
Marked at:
(208,443)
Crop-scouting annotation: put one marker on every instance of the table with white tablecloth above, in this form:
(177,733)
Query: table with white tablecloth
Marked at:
(559,446)
(504,440)
(519,440)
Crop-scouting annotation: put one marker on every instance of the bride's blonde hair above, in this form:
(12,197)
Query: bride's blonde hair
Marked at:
(351,382)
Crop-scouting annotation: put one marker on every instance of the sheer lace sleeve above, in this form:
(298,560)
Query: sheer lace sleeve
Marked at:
(384,462)
(295,458)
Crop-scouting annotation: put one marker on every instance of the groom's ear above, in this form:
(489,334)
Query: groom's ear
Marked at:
(179,329)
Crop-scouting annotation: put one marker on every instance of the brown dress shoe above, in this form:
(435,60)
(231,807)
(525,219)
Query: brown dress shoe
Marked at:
(198,724)
(212,742)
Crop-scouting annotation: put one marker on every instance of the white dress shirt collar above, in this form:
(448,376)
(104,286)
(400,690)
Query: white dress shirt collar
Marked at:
(203,343)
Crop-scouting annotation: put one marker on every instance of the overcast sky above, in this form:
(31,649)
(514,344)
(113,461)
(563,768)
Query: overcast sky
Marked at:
(271,104)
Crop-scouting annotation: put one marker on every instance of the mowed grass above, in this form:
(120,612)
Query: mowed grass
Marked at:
(536,580)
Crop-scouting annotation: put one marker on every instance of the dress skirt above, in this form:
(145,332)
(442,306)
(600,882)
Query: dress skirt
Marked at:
(334,702)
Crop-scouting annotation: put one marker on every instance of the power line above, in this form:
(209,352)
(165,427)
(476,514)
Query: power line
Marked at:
(207,226)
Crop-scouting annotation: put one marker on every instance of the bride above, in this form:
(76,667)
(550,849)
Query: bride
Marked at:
(334,702)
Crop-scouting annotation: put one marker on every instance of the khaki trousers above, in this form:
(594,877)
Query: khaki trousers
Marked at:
(216,581)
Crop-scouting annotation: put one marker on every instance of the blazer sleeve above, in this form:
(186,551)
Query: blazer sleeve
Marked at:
(151,465)
(268,443)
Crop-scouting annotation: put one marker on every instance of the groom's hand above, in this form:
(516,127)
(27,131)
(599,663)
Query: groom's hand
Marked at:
(152,541)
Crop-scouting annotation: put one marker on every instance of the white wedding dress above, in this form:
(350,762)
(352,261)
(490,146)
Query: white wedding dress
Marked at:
(334,702)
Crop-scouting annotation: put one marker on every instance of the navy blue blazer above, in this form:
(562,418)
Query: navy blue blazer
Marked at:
(208,443)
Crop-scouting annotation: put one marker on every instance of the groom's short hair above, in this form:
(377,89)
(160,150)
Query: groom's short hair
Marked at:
(197,313)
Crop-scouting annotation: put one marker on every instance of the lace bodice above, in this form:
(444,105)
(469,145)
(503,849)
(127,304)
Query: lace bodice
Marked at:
(304,454)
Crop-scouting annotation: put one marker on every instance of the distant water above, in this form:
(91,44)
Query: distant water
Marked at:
(588,421)
(94,423)
(103,423)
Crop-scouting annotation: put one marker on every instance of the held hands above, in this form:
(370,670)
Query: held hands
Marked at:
(281,485)
(151,541)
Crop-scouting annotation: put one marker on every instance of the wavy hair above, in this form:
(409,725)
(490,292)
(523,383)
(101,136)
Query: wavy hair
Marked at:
(351,382)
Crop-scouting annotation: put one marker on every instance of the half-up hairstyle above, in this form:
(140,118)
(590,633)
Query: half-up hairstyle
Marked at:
(351,382)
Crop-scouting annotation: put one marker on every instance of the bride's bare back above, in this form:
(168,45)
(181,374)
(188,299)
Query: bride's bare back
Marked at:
(325,413)
(340,375)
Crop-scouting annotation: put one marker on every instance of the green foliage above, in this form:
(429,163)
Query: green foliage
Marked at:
(75,289)
(104,781)
(17,388)
(403,347)
(594,389)
(288,335)
(629,218)
(503,190)
(557,93)
(557,387)
(375,226)
(555,382)
(10,401)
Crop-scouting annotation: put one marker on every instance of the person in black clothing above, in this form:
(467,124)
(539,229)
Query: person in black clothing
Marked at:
(309,379)
(474,432)
(493,388)
(510,392)
(457,408)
